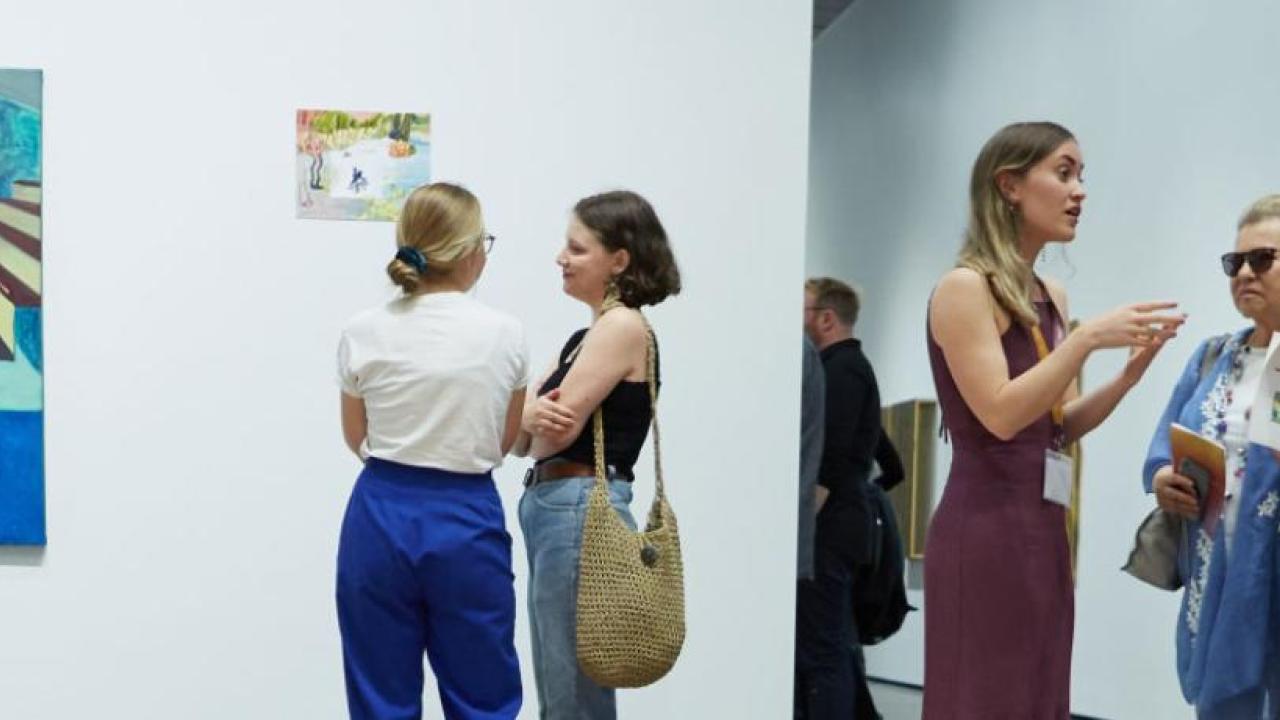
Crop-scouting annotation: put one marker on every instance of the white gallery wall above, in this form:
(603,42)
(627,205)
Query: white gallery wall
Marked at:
(196,473)
(1175,107)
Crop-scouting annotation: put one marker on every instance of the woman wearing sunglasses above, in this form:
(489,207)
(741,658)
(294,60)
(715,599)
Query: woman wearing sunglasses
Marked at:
(999,602)
(433,384)
(1228,634)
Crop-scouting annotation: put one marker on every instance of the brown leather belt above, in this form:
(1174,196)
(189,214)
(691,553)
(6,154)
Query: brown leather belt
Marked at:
(559,469)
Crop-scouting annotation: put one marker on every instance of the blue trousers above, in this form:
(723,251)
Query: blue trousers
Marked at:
(424,565)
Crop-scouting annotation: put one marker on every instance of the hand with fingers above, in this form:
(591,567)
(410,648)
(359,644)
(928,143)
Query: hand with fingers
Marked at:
(1142,325)
(1175,493)
(551,418)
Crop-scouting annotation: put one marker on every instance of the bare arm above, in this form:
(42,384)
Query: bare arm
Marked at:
(964,323)
(613,350)
(1083,414)
(963,320)
(524,439)
(355,424)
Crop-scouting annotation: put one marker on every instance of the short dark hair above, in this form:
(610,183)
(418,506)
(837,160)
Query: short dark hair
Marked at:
(835,296)
(622,220)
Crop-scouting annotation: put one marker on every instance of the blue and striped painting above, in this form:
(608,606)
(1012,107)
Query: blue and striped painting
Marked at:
(22,513)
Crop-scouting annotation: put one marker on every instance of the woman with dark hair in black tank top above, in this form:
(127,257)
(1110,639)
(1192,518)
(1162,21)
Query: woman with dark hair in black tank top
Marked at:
(616,259)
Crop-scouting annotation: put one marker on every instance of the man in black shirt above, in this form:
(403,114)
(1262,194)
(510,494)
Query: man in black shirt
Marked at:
(827,678)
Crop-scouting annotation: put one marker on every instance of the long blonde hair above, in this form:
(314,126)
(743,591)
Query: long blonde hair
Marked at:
(991,238)
(443,222)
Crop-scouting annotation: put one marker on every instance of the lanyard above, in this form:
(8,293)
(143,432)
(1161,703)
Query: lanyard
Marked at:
(1042,350)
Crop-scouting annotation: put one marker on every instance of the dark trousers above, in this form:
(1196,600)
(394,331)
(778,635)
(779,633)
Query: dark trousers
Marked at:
(825,680)
(864,706)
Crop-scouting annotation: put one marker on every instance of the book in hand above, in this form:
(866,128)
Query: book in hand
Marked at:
(1204,462)
(1264,417)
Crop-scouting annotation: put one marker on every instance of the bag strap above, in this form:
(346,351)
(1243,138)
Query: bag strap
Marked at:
(597,418)
(1212,352)
(1056,413)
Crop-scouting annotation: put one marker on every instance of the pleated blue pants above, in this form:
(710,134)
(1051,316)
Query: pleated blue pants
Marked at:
(424,566)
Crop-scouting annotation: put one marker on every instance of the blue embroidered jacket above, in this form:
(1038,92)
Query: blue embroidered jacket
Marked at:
(1229,623)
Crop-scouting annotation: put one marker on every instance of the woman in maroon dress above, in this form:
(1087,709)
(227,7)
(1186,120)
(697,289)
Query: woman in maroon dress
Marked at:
(999,605)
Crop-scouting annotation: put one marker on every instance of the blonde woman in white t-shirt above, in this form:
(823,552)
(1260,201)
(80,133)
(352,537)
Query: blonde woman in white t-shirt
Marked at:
(433,385)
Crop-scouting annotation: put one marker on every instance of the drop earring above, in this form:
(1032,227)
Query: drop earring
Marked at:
(612,295)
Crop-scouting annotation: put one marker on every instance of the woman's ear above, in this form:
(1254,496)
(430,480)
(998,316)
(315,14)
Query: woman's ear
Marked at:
(621,261)
(1009,184)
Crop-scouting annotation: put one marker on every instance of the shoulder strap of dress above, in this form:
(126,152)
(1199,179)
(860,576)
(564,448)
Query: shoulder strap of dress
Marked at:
(1059,320)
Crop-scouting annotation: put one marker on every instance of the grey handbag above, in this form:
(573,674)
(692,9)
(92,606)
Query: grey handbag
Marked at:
(1154,558)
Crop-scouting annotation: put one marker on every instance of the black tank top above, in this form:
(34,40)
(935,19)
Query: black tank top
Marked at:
(626,416)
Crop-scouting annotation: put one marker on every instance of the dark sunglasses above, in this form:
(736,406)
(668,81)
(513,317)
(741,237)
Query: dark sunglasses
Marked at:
(1259,260)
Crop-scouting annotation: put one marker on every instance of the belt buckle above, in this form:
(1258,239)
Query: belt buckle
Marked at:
(530,476)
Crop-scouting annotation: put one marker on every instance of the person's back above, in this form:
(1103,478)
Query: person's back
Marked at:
(432,387)
(813,388)
(436,372)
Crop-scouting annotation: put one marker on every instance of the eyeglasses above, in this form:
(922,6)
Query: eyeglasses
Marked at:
(815,308)
(1259,259)
(486,241)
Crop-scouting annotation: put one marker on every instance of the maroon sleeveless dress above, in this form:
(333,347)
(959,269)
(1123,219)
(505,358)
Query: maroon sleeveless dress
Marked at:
(999,606)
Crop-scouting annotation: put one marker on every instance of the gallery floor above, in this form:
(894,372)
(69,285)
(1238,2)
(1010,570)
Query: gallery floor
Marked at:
(896,702)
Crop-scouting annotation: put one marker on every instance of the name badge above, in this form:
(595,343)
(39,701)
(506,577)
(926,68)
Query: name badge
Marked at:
(1058,475)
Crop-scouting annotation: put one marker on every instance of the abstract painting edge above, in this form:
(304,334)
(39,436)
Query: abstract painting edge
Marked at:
(22,466)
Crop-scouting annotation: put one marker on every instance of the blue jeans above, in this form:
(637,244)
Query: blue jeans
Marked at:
(551,515)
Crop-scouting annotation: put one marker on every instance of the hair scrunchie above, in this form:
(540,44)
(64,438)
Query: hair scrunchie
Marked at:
(413,257)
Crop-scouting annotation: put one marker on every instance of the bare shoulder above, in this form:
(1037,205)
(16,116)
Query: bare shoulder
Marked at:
(964,285)
(964,308)
(620,327)
(622,320)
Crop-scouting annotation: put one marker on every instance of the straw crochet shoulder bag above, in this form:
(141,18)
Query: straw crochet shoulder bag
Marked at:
(630,584)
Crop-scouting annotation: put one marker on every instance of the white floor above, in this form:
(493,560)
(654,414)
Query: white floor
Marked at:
(895,702)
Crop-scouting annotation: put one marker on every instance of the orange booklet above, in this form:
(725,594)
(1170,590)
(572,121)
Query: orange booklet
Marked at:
(1204,462)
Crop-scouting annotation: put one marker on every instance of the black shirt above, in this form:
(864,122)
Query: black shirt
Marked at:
(627,414)
(891,470)
(849,447)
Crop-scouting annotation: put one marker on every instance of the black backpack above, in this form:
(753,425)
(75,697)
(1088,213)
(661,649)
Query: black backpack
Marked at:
(880,588)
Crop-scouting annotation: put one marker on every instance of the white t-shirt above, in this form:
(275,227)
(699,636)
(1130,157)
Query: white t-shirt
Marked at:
(436,373)
(1236,438)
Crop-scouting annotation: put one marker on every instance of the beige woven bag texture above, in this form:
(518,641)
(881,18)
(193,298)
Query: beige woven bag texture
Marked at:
(630,584)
